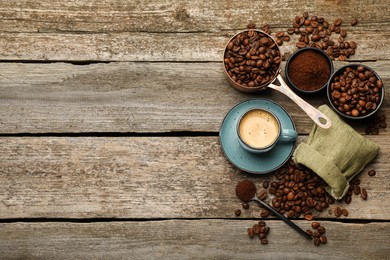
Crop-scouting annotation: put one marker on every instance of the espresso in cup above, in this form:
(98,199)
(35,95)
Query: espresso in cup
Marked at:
(259,130)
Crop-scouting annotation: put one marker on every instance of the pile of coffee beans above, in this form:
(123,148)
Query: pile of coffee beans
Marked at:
(252,58)
(378,122)
(298,190)
(318,233)
(315,31)
(260,230)
(356,91)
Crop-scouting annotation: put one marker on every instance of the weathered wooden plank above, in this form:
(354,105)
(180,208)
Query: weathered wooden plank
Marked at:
(132,97)
(143,46)
(143,177)
(177,16)
(188,239)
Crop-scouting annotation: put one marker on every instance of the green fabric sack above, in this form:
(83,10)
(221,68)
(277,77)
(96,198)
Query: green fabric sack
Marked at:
(336,154)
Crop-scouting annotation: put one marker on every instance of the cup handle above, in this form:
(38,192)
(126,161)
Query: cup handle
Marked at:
(288,135)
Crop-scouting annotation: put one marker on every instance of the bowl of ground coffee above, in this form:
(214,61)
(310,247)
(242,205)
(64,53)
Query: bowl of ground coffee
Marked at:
(355,91)
(308,70)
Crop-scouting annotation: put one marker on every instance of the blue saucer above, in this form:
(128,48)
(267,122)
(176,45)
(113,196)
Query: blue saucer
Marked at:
(241,158)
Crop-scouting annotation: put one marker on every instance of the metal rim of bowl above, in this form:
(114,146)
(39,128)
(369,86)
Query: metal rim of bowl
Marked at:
(302,50)
(340,71)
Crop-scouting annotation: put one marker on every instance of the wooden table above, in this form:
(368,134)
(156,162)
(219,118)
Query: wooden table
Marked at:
(109,120)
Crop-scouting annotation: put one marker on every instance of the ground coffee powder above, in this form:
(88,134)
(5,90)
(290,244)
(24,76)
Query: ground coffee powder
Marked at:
(308,70)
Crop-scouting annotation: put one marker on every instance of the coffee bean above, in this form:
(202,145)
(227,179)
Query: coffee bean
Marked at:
(338,22)
(315,225)
(323,239)
(363,194)
(264,241)
(256,229)
(261,223)
(309,217)
(337,212)
(237,212)
(262,195)
(354,22)
(250,232)
(344,212)
(348,199)
(356,189)
(265,184)
(264,213)
(316,241)
(371,173)
(245,205)
(321,229)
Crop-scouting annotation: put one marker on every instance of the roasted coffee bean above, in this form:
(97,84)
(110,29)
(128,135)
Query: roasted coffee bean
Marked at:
(338,22)
(321,229)
(363,194)
(256,229)
(356,189)
(316,241)
(309,217)
(371,173)
(309,232)
(250,232)
(337,212)
(265,184)
(261,223)
(354,22)
(344,212)
(264,241)
(245,205)
(264,213)
(237,212)
(348,199)
(262,195)
(315,225)
(323,239)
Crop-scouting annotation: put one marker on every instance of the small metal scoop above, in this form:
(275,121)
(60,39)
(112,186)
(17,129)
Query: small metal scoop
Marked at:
(318,117)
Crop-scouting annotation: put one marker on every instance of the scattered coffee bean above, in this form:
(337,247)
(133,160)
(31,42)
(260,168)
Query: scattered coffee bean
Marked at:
(337,212)
(321,229)
(348,199)
(371,173)
(344,212)
(264,213)
(323,239)
(363,194)
(315,224)
(316,241)
(264,241)
(251,234)
(354,22)
(245,205)
(262,195)
(237,212)
(265,184)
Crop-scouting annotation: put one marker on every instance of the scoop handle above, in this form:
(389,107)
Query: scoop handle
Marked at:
(318,117)
(288,222)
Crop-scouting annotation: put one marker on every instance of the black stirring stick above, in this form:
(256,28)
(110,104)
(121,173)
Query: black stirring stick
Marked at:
(246,191)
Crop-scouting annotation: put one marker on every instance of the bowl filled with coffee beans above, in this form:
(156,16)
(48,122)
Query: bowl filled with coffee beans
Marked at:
(355,91)
(252,60)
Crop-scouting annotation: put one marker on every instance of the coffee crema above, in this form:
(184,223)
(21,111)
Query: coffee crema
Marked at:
(259,128)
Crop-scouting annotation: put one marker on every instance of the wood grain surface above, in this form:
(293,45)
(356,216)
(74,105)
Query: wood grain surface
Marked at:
(144,177)
(188,239)
(133,97)
(109,116)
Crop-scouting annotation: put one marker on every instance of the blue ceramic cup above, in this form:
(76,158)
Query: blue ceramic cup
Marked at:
(259,130)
